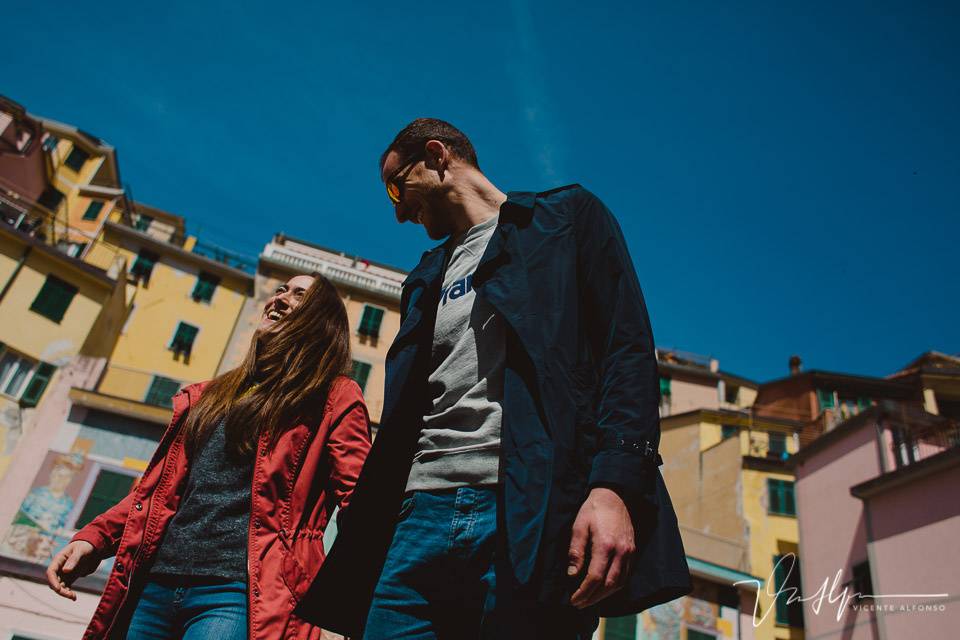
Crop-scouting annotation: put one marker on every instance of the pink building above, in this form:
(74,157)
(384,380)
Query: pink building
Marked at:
(879,516)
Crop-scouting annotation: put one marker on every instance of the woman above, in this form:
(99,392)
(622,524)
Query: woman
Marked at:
(224,531)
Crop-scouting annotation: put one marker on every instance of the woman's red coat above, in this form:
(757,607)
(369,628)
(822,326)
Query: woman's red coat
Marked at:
(296,484)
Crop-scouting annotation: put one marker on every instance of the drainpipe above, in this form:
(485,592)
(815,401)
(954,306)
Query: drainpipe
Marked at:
(16,270)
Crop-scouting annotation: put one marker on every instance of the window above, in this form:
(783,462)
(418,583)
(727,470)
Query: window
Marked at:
(781,497)
(206,285)
(786,581)
(108,489)
(142,223)
(51,198)
(50,142)
(693,634)
(777,445)
(160,393)
(360,373)
(76,158)
(37,385)
(370,322)
(664,386)
(825,399)
(665,396)
(182,342)
(623,628)
(728,431)
(143,266)
(731,393)
(54,298)
(22,377)
(93,211)
(861,582)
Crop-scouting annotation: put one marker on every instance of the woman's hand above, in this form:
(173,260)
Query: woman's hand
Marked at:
(75,560)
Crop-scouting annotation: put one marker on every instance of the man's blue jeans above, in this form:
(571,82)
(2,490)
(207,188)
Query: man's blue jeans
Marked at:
(439,580)
(168,611)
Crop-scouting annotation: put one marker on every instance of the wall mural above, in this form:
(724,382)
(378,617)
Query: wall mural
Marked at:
(72,486)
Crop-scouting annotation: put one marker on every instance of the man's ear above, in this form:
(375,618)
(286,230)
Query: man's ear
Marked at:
(438,156)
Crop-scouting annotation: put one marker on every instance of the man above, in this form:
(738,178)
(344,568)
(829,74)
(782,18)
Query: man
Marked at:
(513,490)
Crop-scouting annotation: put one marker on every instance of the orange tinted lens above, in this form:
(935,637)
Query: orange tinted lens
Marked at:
(393,191)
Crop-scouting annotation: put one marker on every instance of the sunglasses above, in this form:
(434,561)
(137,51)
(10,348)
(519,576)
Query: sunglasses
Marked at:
(398,178)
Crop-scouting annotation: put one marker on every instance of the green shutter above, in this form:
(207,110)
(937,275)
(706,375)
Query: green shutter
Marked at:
(37,385)
(54,298)
(206,285)
(370,322)
(360,373)
(622,628)
(665,386)
(143,266)
(108,489)
(93,211)
(825,398)
(779,577)
(183,339)
(773,491)
(160,393)
(728,431)
(76,158)
(776,444)
(789,503)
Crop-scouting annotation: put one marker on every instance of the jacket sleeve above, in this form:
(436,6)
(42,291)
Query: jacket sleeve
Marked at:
(349,442)
(618,328)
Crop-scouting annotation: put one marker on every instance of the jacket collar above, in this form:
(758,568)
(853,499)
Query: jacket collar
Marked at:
(517,210)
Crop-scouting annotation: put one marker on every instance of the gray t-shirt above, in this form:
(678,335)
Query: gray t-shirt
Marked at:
(460,440)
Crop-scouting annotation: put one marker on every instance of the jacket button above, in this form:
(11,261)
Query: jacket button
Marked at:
(256,523)
(139,506)
(256,592)
(119,567)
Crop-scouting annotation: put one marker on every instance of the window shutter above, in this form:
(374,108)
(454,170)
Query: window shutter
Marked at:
(108,489)
(622,628)
(773,489)
(93,211)
(664,386)
(370,322)
(37,385)
(360,373)
(161,392)
(779,577)
(206,285)
(54,298)
(789,504)
(825,398)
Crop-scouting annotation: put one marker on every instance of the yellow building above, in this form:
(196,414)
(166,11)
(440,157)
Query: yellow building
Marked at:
(54,308)
(728,477)
(370,292)
(182,312)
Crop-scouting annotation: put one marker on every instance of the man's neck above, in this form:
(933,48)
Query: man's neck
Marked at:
(473,200)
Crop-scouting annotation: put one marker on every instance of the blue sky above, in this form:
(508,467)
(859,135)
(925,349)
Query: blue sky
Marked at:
(788,178)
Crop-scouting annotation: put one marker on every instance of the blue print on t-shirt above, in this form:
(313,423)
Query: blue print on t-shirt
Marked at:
(458,289)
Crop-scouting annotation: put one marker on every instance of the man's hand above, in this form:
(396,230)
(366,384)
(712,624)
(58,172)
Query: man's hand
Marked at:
(75,560)
(605,523)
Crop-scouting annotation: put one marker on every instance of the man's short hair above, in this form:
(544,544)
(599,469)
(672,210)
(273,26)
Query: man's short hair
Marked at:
(411,140)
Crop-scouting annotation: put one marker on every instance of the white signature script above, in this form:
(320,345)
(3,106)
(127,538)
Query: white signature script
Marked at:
(827,591)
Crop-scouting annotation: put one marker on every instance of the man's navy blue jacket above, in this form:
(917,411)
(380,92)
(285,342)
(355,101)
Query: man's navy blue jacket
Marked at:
(580,410)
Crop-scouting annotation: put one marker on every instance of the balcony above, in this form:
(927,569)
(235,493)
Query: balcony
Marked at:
(341,274)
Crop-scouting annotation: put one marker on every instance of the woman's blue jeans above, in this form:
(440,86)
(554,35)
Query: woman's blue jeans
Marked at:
(442,580)
(168,611)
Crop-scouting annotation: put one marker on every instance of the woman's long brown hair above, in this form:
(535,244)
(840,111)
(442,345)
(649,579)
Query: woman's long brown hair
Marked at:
(284,378)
